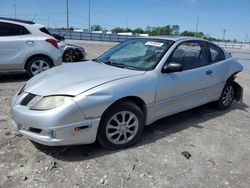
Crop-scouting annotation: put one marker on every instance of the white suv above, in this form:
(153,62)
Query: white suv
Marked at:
(27,46)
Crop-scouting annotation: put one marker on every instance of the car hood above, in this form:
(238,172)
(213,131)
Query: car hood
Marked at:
(74,79)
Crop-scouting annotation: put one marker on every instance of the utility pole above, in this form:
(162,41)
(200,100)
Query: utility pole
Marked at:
(247,38)
(89,18)
(224,34)
(126,23)
(14,10)
(34,17)
(197,25)
(67,14)
(48,21)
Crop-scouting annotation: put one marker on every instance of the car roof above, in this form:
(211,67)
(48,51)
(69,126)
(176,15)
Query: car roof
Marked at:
(17,20)
(174,38)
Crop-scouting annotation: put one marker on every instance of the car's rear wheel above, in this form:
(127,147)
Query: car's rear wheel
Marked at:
(37,65)
(227,97)
(121,125)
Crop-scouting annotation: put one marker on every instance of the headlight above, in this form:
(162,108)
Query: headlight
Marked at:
(50,102)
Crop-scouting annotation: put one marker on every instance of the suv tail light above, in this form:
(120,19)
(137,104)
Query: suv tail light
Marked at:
(52,42)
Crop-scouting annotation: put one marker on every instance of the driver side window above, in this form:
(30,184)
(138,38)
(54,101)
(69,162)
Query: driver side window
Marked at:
(190,55)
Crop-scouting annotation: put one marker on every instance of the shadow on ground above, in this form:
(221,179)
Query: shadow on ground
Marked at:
(158,130)
(13,77)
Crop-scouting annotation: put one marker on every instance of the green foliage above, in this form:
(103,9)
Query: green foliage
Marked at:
(156,31)
(138,30)
(193,34)
(121,30)
(96,28)
(165,30)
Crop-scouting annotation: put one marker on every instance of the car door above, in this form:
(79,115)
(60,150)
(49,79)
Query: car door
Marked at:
(179,91)
(219,67)
(12,46)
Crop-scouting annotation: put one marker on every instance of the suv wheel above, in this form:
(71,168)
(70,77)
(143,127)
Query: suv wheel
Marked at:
(121,125)
(37,65)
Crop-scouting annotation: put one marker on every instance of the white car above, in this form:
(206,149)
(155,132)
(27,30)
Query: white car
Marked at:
(26,46)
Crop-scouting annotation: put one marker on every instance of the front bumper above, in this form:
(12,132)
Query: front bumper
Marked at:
(65,125)
(61,135)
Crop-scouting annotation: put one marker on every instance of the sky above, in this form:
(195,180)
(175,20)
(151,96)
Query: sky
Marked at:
(214,15)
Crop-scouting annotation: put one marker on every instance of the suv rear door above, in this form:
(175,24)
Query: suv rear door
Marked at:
(12,46)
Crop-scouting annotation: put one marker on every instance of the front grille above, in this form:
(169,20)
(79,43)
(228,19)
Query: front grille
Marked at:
(27,99)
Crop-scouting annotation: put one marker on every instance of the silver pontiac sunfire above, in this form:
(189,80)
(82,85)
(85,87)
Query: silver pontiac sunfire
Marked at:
(112,98)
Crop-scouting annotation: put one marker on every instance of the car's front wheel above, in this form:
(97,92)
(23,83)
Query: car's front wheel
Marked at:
(121,125)
(227,97)
(37,65)
(70,55)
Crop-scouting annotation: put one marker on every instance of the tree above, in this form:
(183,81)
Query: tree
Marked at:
(138,30)
(188,33)
(96,28)
(165,30)
(175,29)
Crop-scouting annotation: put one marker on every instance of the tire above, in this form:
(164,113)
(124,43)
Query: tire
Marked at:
(131,128)
(227,97)
(37,65)
(70,55)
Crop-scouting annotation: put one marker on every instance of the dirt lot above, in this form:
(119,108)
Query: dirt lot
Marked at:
(218,141)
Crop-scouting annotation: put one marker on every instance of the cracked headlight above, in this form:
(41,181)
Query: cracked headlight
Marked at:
(48,103)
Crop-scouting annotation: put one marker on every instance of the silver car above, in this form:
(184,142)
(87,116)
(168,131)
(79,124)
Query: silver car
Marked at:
(112,98)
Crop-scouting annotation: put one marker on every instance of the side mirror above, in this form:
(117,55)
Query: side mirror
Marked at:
(172,67)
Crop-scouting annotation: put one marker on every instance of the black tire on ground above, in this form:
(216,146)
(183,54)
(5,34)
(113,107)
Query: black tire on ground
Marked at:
(223,103)
(70,55)
(121,106)
(34,60)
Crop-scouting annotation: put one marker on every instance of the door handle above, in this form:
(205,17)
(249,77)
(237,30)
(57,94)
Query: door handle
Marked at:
(29,41)
(209,72)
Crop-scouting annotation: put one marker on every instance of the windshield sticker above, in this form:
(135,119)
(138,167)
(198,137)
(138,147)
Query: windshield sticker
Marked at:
(152,43)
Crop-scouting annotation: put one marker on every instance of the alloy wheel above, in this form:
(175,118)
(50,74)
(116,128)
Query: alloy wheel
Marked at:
(39,66)
(228,95)
(122,127)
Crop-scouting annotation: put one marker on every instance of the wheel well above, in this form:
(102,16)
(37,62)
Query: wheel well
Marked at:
(138,101)
(34,56)
(232,77)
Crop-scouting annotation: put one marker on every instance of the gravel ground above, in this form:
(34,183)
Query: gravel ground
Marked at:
(218,142)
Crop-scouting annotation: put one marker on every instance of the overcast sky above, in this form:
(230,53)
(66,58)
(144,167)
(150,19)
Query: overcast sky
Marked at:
(215,15)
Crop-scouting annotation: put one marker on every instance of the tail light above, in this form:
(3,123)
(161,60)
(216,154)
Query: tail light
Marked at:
(52,42)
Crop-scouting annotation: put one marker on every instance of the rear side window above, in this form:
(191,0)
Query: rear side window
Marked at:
(190,54)
(44,30)
(8,29)
(216,54)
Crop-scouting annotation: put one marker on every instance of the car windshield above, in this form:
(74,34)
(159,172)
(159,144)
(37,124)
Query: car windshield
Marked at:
(137,54)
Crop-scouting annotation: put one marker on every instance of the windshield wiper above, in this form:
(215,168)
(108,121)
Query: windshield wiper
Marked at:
(120,65)
(135,68)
